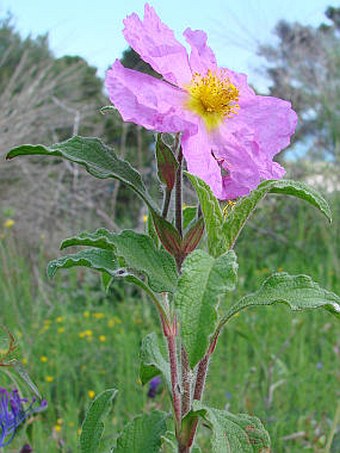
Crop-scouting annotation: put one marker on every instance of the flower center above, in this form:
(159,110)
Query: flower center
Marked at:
(212,97)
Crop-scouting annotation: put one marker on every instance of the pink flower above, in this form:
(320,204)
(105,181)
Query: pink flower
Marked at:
(229,134)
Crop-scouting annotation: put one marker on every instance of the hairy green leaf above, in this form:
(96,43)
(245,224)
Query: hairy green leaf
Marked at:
(143,434)
(243,209)
(204,279)
(234,433)
(100,260)
(153,362)
(299,292)
(98,159)
(93,425)
(212,213)
(189,214)
(139,253)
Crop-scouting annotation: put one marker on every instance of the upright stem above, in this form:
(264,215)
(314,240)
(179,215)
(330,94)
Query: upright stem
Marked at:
(186,384)
(171,339)
(201,376)
(178,193)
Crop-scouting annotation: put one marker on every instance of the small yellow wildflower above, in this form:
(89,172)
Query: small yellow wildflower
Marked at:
(60,319)
(61,329)
(60,421)
(86,334)
(113,321)
(9,223)
(86,314)
(98,315)
(49,379)
(91,394)
(57,428)
(102,338)
(145,218)
(43,359)
(24,361)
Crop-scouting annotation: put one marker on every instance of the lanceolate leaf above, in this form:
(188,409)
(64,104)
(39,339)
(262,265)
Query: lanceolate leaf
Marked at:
(299,292)
(204,279)
(143,434)
(93,426)
(212,213)
(234,433)
(139,253)
(240,213)
(100,260)
(98,159)
(153,362)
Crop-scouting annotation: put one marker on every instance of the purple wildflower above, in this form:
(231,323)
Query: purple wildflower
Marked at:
(153,386)
(13,413)
(26,449)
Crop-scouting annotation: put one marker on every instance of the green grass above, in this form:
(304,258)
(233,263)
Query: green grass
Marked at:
(76,341)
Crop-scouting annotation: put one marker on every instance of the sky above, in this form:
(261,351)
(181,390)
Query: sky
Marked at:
(92,29)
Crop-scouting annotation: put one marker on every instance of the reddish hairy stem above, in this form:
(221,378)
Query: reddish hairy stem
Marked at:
(201,376)
(186,384)
(176,398)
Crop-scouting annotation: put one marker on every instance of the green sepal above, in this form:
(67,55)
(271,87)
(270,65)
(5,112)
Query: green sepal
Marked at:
(168,235)
(193,236)
(93,425)
(166,163)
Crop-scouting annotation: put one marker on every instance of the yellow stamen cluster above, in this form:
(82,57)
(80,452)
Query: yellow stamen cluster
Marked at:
(213,97)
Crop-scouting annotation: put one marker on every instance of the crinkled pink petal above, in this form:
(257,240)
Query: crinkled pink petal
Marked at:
(202,58)
(241,82)
(273,120)
(156,44)
(147,101)
(200,161)
(236,158)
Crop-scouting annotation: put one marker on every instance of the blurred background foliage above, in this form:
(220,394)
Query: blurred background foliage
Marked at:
(74,339)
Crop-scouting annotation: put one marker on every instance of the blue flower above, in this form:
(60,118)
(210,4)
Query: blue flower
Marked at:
(153,386)
(13,413)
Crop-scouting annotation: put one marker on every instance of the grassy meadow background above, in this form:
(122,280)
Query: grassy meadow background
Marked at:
(75,340)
